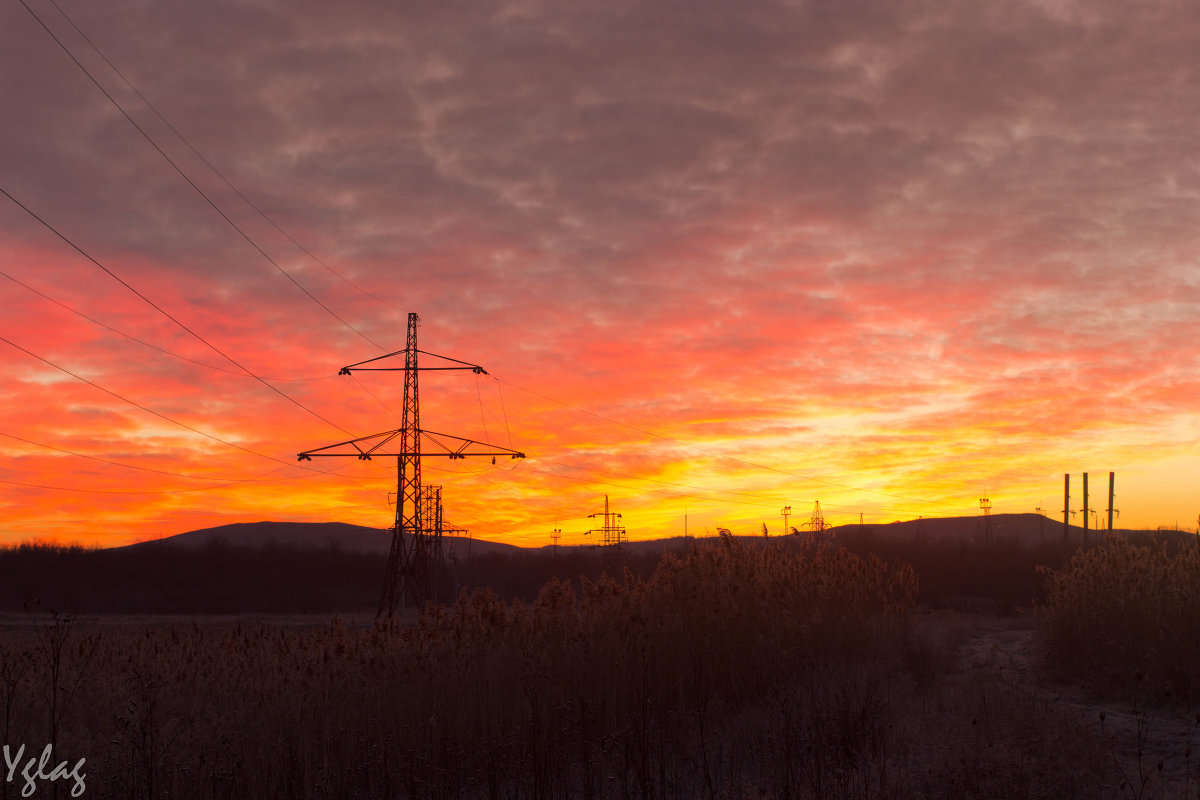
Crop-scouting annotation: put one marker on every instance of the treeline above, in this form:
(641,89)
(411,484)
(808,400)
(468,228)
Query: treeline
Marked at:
(221,578)
(217,578)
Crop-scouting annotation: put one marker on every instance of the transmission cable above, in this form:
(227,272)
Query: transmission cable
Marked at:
(167,314)
(305,250)
(214,169)
(161,416)
(703,488)
(151,345)
(260,479)
(722,456)
(192,183)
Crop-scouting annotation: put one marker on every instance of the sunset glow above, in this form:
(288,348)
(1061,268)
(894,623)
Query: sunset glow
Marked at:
(717,259)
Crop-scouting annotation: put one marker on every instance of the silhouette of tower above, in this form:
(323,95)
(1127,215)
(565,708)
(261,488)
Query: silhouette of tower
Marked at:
(1086,510)
(1112,481)
(986,505)
(612,535)
(415,557)
(816,523)
(1066,508)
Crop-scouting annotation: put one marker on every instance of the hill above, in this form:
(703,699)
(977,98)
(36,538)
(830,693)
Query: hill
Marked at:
(1026,530)
(314,535)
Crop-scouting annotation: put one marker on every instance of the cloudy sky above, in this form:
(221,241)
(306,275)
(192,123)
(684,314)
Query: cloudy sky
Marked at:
(717,258)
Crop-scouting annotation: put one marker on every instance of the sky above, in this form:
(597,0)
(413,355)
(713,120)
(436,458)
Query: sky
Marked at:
(716,258)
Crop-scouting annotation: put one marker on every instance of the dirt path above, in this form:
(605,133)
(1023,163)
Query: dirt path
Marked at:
(1155,746)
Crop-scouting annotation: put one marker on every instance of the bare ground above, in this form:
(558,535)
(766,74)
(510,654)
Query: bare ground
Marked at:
(1154,744)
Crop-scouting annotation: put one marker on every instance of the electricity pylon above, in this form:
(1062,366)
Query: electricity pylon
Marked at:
(613,535)
(816,523)
(986,505)
(415,554)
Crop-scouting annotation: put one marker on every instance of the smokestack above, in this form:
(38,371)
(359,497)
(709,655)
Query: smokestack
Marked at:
(1067,508)
(1111,482)
(1085,509)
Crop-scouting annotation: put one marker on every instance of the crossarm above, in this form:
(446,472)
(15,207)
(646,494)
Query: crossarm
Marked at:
(478,370)
(367,447)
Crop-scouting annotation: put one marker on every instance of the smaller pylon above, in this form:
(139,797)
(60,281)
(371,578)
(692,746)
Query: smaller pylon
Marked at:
(786,512)
(555,536)
(612,535)
(986,505)
(816,523)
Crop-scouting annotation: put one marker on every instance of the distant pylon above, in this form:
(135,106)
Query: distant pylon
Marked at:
(612,534)
(986,505)
(555,536)
(786,512)
(816,523)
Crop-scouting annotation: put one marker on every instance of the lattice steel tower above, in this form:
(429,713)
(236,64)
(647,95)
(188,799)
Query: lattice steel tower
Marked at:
(816,523)
(986,505)
(612,534)
(415,556)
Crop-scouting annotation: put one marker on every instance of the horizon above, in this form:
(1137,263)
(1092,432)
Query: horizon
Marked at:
(1050,535)
(715,261)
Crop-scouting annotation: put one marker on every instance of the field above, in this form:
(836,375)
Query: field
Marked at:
(733,669)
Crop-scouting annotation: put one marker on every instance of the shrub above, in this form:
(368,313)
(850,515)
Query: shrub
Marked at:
(1122,610)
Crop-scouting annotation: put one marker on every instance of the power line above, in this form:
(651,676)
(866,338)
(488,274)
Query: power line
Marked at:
(226,481)
(167,314)
(114,491)
(132,338)
(190,182)
(720,455)
(773,500)
(717,500)
(213,167)
(290,238)
(154,413)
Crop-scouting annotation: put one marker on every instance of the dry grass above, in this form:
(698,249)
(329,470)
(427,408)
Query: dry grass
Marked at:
(734,671)
(1129,614)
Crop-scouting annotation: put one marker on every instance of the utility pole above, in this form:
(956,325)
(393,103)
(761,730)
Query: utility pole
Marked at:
(1066,508)
(415,555)
(786,512)
(1085,508)
(1112,480)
